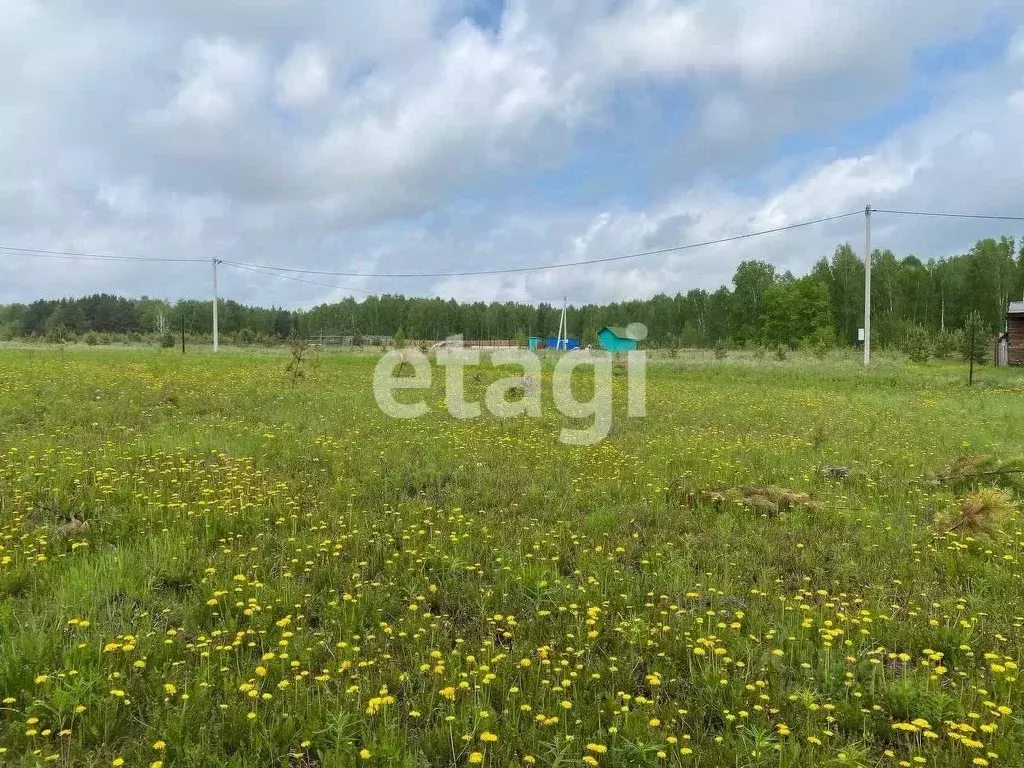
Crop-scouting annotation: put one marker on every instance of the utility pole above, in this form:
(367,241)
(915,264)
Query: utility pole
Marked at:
(183,332)
(216,334)
(867,285)
(563,327)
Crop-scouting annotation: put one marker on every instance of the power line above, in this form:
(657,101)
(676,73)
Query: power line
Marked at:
(275,271)
(296,279)
(341,287)
(517,270)
(950,215)
(41,253)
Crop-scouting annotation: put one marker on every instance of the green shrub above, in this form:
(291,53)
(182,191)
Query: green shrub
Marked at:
(918,344)
(976,341)
(246,337)
(946,343)
(167,340)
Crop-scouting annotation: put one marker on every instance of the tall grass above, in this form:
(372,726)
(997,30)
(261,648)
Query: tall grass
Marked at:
(208,563)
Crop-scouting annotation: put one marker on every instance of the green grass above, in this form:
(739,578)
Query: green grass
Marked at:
(199,555)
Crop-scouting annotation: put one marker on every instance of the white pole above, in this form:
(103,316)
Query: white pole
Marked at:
(867,285)
(565,327)
(216,334)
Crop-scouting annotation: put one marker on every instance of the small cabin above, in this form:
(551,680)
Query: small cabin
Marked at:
(1015,333)
(614,339)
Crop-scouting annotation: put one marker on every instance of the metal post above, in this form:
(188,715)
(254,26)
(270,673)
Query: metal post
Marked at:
(216,334)
(867,285)
(183,332)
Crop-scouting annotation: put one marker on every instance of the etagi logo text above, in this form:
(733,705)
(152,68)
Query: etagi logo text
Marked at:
(513,396)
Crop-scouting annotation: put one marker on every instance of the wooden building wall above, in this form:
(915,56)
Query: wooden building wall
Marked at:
(1015,325)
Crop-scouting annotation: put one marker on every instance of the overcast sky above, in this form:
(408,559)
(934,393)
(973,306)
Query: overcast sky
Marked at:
(441,135)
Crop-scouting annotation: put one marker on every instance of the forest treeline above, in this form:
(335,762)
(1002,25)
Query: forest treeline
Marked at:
(762,306)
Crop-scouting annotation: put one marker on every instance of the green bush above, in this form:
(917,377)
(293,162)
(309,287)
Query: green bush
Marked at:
(92,338)
(946,343)
(57,334)
(918,344)
(246,337)
(976,341)
(821,342)
(167,340)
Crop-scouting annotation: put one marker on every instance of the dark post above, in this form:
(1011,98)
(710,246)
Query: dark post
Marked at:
(183,333)
(970,379)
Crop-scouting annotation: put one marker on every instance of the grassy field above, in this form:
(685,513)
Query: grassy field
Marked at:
(202,565)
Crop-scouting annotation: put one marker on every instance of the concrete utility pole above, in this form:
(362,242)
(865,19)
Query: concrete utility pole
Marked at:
(563,327)
(216,334)
(867,285)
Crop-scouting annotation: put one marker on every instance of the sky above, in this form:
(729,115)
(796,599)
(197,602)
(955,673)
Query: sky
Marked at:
(463,135)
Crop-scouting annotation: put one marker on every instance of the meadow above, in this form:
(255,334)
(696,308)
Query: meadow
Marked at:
(206,562)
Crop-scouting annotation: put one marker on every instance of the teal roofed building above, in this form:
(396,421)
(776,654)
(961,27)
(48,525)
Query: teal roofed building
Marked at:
(614,339)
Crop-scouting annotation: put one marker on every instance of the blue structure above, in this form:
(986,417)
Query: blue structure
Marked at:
(617,339)
(569,344)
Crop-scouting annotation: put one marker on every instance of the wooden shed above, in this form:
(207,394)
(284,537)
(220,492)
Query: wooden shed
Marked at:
(1015,332)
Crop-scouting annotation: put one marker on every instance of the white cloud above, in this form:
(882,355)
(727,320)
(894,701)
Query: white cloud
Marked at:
(304,78)
(219,78)
(1015,51)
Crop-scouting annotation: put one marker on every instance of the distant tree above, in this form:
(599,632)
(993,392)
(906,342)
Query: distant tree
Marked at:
(846,293)
(399,338)
(974,347)
(946,343)
(283,323)
(918,344)
(751,283)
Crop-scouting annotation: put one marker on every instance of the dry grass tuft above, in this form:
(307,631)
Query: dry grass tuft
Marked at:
(982,512)
(768,501)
